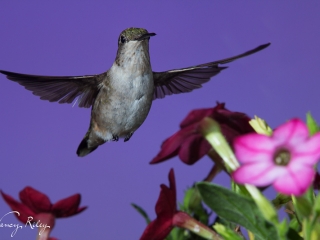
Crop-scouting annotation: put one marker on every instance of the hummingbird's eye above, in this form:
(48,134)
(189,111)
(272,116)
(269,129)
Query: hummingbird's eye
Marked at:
(122,39)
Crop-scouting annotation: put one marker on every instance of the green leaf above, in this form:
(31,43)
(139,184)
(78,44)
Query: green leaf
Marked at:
(312,124)
(316,206)
(191,200)
(295,225)
(302,206)
(226,233)
(142,212)
(177,234)
(283,228)
(237,209)
(192,204)
(310,194)
(293,235)
(315,231)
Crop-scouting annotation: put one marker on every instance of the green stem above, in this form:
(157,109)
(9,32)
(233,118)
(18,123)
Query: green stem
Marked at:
(183,220)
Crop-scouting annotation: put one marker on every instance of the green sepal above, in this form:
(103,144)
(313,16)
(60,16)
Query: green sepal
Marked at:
(312,124)
(280,200)
(182,234)
(302,206)
(309,195)
(225,222)
(316,206)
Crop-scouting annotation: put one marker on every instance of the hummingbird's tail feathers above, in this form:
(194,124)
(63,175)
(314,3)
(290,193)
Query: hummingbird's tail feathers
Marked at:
(84,149)
(90,142)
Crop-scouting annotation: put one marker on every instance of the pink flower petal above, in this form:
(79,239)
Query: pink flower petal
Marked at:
(309,150)
(254,148)
(247,156)
(295,181)
(255,141)
(306,160)
(258,173)
(291,133)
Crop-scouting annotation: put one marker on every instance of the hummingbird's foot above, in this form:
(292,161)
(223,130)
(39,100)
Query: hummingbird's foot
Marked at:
(127,138)
(115,138)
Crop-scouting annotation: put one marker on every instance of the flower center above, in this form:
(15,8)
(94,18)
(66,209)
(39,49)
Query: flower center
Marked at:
(282,157)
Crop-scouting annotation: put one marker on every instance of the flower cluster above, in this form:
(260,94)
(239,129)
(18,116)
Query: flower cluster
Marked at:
(285,158)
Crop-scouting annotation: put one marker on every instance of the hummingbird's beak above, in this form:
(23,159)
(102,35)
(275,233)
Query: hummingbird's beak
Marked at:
(145,36)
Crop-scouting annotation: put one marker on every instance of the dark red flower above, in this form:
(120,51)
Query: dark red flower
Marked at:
(190,145)
(36,206)
(316,181)
(165,209)
(168,216)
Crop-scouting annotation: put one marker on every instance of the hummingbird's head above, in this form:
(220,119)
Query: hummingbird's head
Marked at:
(134,34)
(133,48)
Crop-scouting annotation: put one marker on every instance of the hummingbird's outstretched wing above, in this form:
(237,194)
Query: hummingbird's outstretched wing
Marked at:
(187,79)
(60,89)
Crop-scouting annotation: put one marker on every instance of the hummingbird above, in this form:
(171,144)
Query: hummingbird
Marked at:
(120,98)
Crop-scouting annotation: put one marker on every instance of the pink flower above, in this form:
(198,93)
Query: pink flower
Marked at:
(190,145)
(285,159)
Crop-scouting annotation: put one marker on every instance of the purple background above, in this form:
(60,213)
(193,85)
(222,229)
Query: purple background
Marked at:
(39,139)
